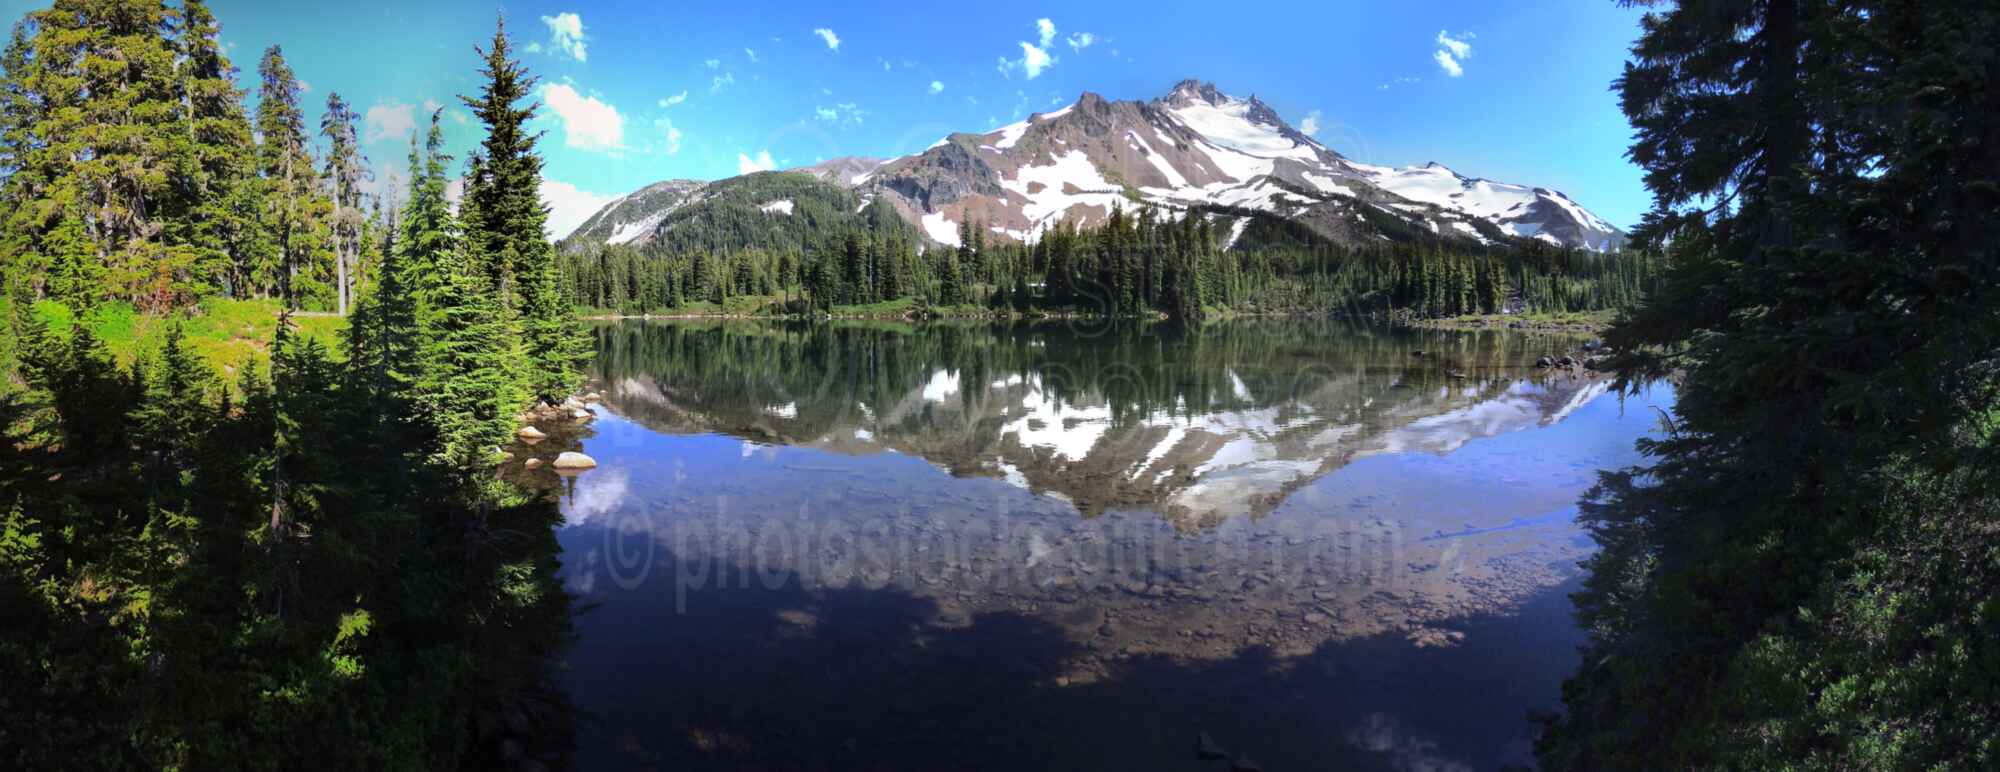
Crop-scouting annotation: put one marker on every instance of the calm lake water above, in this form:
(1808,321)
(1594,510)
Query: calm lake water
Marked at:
(1045,546)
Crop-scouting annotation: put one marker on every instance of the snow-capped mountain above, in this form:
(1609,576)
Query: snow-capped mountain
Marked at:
(1194,149)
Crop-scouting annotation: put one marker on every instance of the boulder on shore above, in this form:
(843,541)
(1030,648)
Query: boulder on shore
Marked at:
(533,463)
(573,460)
(581,414)
(531,434)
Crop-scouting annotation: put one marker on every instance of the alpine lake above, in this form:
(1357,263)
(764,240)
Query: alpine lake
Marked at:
(1269,544)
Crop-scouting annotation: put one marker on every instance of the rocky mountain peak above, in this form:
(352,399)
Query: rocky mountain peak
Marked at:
(1190,91)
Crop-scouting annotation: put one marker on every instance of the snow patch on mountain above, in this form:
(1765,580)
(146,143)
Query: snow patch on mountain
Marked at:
(626,232)
(1052,190)
(1229,125)
(1159,162)
(941,229)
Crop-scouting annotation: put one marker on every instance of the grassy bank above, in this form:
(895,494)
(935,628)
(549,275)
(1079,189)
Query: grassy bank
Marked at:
(226,334)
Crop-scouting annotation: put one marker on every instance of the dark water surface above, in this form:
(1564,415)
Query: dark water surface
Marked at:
(879,546)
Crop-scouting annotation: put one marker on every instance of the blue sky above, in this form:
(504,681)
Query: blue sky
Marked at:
(651,91)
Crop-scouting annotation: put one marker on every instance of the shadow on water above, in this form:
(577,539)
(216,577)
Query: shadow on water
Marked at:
(758,672)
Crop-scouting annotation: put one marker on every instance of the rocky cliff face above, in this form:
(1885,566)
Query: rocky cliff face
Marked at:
(1195,149)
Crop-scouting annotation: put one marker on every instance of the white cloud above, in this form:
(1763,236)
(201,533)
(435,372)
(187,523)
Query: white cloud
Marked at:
(673,134)
(391,121)
(1080,41)
(1310,126)
(566,34)
(675,99)
(1048,30)
(569,206)
(832,40)
(305,86)
(1452,52)
(761,163)
(712,63)
(845,112)
(752,54)
(937,87)
(534,48)
(588,123)
(1403,81)
(720,82)
(1450,65)
(1033,61)
(1457,46)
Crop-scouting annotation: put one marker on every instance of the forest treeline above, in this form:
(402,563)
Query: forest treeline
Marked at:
(135,172)
(1139,262)
(308,564)
(1802,574)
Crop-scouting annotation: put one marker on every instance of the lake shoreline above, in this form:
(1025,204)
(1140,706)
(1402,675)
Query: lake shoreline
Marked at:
(1584,324)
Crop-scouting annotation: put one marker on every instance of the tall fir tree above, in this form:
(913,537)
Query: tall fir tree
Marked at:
(95,134)
(218,156)
(506,227)
(296,212)
(346,169)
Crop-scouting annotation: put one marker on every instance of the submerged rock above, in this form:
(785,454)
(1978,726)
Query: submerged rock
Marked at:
(573,460)
(1206,749)
(533,463)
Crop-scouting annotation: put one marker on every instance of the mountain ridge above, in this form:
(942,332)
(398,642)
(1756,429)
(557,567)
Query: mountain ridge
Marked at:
(1193,149)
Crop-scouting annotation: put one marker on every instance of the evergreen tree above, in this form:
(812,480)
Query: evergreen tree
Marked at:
(296,213)
(208,215)
(345,170)
(96,132)
(1798,577)
(506,232)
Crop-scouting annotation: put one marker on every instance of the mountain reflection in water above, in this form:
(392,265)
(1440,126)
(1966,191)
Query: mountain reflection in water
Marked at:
(873,545)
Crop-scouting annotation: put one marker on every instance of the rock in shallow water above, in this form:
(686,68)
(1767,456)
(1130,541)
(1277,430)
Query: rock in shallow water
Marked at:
(574,460)
(1206,748)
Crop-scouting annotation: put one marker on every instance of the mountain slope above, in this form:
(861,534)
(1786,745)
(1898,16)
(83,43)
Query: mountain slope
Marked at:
(763,210)
(1193,149)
